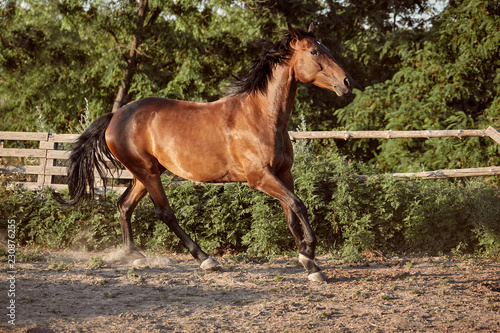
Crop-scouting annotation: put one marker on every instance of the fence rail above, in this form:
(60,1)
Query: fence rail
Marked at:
(49,152)
(489,132)
(46,169)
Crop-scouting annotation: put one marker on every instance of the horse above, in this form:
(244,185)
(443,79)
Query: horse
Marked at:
(241,137)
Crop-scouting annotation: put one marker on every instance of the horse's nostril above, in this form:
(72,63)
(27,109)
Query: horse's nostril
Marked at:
(346,82)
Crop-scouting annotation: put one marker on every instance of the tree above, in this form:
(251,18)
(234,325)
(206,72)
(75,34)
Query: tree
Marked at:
(411,71)
(131,60)
(53,56)
(56,54)
(448,79)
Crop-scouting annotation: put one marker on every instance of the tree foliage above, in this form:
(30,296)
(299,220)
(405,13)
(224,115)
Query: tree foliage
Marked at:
(447,78)
(415,67)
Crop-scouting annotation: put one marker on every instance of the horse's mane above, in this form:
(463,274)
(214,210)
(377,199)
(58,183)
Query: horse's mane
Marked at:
(257,78)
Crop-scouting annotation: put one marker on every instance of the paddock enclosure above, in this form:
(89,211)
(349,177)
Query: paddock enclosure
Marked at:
(59,291)
(45,164)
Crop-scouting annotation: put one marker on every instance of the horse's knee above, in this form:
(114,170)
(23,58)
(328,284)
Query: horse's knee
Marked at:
(122,208)
(159,212)
(124,205)
(166,215)
(125,210)
(299,208)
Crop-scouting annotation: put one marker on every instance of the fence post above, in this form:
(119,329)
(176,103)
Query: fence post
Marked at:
(98,182)
(493,133)
(49,144)
(1,146)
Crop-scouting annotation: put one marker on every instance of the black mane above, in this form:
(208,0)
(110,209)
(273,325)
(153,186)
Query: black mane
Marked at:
(258,77)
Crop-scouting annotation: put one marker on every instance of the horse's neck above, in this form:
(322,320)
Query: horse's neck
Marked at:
(277,102)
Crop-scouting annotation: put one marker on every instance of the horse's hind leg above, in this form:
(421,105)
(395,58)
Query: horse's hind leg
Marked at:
(126,205)
(164,212)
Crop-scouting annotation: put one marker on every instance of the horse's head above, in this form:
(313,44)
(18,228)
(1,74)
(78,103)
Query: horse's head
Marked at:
(314,63)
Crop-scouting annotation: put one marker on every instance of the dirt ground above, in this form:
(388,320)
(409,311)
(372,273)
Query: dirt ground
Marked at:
(60,293)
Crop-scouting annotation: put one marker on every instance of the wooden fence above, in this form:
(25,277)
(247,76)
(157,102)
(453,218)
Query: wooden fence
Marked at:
(43,162)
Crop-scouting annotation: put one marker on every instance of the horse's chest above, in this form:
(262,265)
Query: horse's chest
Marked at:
(279,142)
(254,150)
(281,155)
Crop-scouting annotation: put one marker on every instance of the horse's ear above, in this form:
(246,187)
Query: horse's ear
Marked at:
(294,33)
(312,28)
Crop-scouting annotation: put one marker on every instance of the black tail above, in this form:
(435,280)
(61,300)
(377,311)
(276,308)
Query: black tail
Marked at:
(88,153)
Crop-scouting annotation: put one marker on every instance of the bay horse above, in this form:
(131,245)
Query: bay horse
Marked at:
(240,138)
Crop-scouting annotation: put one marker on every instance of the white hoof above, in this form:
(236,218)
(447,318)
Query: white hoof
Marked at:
(209,263)
(317,277)
(140,262)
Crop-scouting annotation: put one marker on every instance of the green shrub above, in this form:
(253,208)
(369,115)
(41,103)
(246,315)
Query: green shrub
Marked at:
(28,255)
(95,262)
(40,220)
(383,213)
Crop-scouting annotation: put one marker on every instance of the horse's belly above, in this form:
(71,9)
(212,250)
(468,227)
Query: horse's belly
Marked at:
(200,164)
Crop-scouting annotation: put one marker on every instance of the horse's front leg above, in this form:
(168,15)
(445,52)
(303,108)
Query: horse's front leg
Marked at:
(296,217)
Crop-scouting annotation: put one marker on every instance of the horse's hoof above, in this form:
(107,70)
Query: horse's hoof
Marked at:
(124,256)
(133,255)
(209,263)
(317,277)
(140,262)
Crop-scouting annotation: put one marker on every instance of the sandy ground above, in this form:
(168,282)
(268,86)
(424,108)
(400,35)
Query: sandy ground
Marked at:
(60,293)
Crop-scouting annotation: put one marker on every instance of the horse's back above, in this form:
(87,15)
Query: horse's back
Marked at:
(187,138)
(159,115)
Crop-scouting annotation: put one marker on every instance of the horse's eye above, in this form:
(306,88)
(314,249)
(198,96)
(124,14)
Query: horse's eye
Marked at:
(314,52)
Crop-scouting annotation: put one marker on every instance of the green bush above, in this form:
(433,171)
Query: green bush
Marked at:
(383,213)
(41,220)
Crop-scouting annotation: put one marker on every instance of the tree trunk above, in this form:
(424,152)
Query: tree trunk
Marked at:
(131,61)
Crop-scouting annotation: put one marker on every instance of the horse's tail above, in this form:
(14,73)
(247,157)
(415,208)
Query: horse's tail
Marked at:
(89,153)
